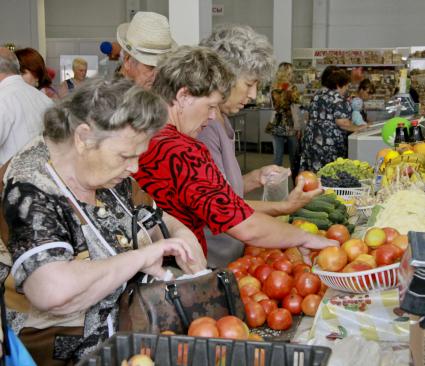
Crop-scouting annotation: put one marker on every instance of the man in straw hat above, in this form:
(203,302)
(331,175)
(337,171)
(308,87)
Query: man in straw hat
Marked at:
(144,40)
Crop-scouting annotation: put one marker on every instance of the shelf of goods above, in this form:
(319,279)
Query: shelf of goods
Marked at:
(381,66)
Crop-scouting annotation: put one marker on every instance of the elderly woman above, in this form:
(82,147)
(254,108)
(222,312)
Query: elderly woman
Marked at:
(326,135)
(79,68)
(68,202)
(178,171)
(250,56)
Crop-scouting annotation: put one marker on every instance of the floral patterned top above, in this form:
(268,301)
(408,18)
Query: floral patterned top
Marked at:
(283,96)
(323,141)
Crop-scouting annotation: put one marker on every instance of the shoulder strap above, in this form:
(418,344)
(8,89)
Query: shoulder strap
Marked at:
(4,229)
(138,196)
(69,84)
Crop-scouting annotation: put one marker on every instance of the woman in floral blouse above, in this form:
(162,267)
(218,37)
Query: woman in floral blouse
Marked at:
(325,137)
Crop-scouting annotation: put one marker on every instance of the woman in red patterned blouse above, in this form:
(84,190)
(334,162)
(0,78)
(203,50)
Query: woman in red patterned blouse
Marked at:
(178,171)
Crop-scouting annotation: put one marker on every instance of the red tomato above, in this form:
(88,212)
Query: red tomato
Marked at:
(310,304)
(311,182)
(255,262)
(283,265)
(249,280)
(238,274)
(255,314)
(203,327)
(236,266)
(277,285)
(259,296)
(338,232)
(292,303)
(279,319)
(332,259)
(307,283)
(294,255)
(268,305)
(232,327)
(245,261)
(248,290)
(254,251)
(274,256)
(299,268)
(263,271)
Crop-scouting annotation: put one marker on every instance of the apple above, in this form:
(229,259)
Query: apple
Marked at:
(140,360)
(387,254)
(401,241)
(367,258)
(391,233)
(360,283)
(357,266)
(375,237)
(354,247)
(332,259)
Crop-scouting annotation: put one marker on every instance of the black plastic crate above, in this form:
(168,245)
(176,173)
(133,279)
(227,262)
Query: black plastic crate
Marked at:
(167,351)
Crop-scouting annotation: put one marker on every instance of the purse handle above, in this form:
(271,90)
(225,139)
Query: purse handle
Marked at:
(173,296)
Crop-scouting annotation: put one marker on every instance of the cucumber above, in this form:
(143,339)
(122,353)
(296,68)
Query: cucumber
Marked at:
(307,214)
(337,217)
(322,224)
(320,206)
(329,197)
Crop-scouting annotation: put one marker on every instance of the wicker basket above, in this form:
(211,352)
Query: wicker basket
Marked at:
(365,210)
(380,278)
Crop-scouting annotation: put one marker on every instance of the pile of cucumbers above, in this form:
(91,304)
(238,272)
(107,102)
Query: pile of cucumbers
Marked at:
(324,211)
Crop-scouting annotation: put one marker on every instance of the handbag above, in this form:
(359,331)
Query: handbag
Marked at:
(172,305)
(271,124)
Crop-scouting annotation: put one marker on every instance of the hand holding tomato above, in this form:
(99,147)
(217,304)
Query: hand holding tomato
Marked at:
(309,181)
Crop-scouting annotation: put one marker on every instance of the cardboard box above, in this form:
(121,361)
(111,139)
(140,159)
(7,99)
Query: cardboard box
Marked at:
(417,343)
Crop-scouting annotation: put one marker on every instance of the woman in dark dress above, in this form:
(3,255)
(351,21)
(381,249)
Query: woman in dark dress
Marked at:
(326,133)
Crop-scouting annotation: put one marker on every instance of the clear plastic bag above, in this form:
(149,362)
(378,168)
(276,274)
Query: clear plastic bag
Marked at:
(276,186)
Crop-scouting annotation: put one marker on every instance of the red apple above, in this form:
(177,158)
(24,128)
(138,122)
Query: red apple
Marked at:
(401,241)
(391,233)
(375,237)
(367,258)
(354,247)
(387,254)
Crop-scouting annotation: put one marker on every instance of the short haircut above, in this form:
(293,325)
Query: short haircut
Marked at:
(105,107)
(367,85)
(9,63)
(334,77)
(247,52)
(78,61)
(199,69)
(31,60)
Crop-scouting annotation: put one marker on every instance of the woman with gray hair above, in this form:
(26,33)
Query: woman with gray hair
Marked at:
(74,236)
(178,171)
(250,56)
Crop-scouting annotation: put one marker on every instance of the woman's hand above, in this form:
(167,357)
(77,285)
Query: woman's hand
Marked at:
(153,255)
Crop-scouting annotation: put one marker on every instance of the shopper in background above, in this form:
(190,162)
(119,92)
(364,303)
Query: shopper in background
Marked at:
(143,41)
(178,171)
(21,107)
(34,71)
(284,96)
(79,68)
(365,90)
(326,135)
(250,57)
(68,205)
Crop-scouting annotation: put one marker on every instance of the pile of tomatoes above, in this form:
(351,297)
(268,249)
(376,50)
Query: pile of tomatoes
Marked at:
(275,285)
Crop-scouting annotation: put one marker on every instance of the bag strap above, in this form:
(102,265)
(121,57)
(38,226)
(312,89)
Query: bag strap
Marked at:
(172,294)
(5,345)
(4,229)
(224,280)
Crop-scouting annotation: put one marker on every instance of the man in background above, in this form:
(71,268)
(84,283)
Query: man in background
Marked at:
(22,107)
(144,40)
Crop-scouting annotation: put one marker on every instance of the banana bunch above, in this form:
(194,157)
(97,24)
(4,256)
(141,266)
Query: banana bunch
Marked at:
(411,165)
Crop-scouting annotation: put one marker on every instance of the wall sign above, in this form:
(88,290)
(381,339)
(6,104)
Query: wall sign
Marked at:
(217,9)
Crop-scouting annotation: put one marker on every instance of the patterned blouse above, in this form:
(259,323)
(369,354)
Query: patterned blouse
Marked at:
(44,228)
(179,174)
(323,141)
(283,97)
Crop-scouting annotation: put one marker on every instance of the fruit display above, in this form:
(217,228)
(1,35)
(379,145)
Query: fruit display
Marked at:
(341,179)
(323,211)
(355,168)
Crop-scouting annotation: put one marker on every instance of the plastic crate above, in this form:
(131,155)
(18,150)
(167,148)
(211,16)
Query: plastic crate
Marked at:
(179,350)
(348,193)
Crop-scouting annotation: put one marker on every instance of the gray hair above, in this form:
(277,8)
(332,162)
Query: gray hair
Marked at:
(105,107)
(199,69)
(9,63)
(247,52)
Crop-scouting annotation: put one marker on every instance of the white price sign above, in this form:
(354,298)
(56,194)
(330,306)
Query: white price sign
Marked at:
(217,9)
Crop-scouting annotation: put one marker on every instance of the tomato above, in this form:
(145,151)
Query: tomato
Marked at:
(299,268)
(292,303)
(307,283)
(338,232)
(294,255)
(277,285)
(203,327)
(259,296)
(248,290)
(249,280)
(311,182)
(255,262)
(310,304)
(255,314)
(268,305)
(274,256)
(232,327)
(332,259)
(254,251)
(236,266)
(263,271)
(283,265)
(245,261)
(238,274)
(279,319)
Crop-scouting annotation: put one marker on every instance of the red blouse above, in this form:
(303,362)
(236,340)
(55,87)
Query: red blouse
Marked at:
(180,175)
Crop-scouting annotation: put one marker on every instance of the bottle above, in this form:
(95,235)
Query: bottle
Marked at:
(415,132)
(401,135)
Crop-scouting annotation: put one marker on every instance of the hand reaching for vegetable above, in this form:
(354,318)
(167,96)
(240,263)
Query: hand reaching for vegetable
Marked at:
(298,198)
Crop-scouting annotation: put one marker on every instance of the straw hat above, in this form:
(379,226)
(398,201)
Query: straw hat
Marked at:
(146,37)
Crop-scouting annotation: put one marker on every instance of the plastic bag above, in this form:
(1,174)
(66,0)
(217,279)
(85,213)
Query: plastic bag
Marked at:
(276,186)
(373,316)
(18,354)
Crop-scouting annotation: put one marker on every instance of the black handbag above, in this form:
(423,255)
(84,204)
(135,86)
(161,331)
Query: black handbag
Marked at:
(172,305)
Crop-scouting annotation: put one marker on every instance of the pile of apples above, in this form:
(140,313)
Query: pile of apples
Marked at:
(275,285)
(379,247)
